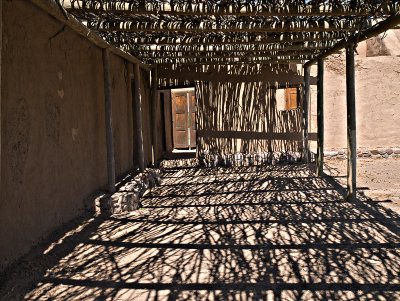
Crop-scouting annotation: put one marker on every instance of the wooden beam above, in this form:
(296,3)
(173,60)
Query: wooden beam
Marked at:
(351,125)
(234,48)
(108,121)
(199,30)
(226,54)
(137,38)
(51,7)
(383,26)
(306,99)
(240,62)
(273,11)
(155,118)
(281,40)
(320,118)
(1,83)
(138,111)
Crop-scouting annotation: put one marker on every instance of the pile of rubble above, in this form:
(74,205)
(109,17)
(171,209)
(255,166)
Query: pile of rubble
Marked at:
(127,197)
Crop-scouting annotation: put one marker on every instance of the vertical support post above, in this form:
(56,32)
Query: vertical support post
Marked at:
(320,118)
(1,49)
(351,124)
(305,113)
(108,120)
(154,107)
(138,110)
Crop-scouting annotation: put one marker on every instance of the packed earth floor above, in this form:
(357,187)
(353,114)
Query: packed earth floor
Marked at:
(248,233)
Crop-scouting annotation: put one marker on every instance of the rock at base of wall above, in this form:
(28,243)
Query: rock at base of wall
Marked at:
(127,198)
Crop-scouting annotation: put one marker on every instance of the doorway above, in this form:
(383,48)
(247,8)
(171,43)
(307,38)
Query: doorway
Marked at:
(183,103)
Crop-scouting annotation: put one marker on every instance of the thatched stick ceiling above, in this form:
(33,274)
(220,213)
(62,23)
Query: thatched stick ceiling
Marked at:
(202,32)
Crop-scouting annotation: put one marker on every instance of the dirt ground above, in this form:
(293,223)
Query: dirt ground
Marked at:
(243,233)
(378,179)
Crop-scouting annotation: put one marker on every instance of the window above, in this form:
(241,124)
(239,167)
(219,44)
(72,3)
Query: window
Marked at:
(291,102)
(287,99)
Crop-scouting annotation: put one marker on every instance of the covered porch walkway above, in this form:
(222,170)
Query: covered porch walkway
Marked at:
(244,233)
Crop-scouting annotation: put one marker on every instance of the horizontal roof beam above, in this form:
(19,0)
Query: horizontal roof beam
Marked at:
(272,11)
(216,59)
(283,38)
(198,30)
(258,62)
(383,26)
(207,50)
(224,55)
(232,47)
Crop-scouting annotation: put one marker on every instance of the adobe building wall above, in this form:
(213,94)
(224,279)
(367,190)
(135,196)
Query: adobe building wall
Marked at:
(53,136)
(377,101)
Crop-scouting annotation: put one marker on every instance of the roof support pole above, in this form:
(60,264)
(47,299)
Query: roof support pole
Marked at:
(108,120)
(306,99)
(154,110)
(138,111)
(1,43)
(320,118)
(351,124)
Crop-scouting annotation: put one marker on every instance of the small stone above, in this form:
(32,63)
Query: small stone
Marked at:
(397,151)
(331,153)
(389,151)
(374,152)
(382,152)
(386,156)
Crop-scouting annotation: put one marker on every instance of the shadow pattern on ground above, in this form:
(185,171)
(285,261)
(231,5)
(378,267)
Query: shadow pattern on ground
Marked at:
(248,233)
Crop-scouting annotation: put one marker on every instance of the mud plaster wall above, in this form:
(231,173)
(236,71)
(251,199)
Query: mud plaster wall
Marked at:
(237,109)
(53,132)
(377,102)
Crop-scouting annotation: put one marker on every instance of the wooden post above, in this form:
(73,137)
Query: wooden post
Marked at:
(155,118)
(320,118)
(108,119)
(351,124)
(305,113)
(1,44)
(138,110)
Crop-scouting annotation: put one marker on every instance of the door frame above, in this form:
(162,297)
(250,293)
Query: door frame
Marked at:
(182,90)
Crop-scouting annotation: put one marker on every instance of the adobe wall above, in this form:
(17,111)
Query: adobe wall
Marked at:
(377,103)
(237,108)
(53,135)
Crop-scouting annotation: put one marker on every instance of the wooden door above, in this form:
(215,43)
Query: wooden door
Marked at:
(184,119)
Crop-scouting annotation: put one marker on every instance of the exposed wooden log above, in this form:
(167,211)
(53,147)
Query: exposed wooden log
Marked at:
(1,47)
(139,121)
(306,98)
(53,9)
(296,11)
(233,48)
(282,40)
(239,62)
(320,118)
(155,118)
(224,54)
(383,26)
(198,30)
(108,121)
(137,38)
(277,60)
(351,125)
